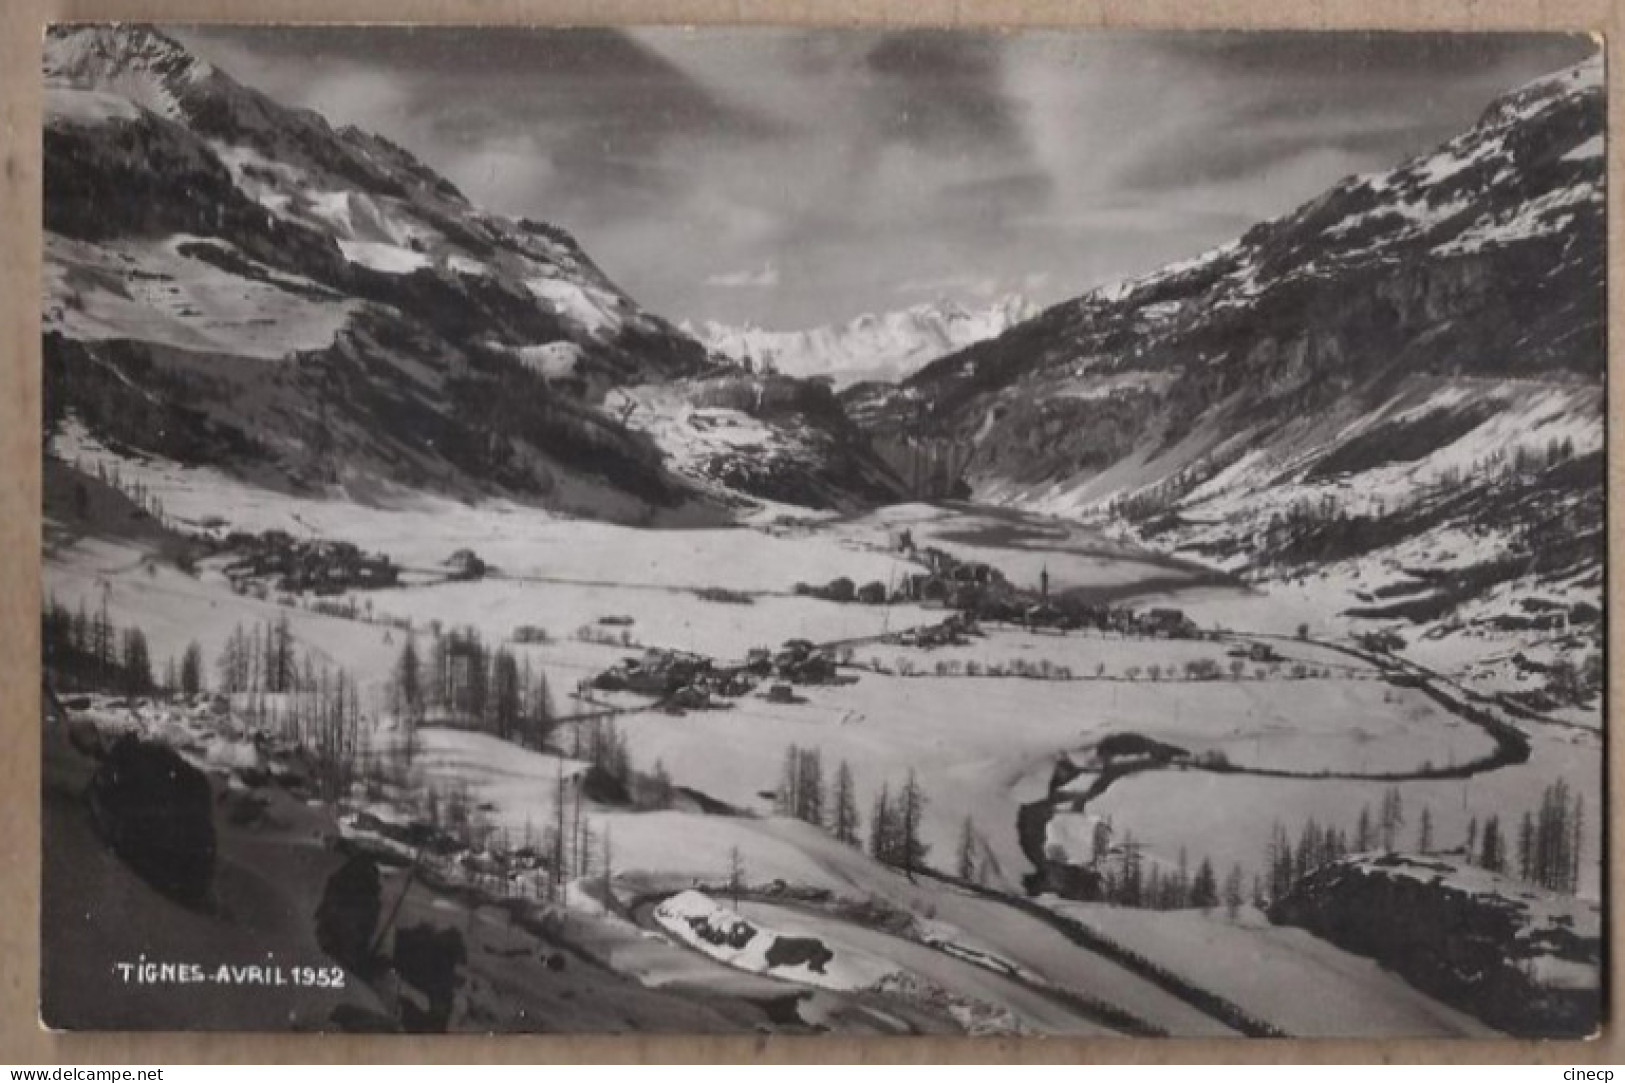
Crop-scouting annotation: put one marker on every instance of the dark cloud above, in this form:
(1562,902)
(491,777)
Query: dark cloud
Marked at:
(599,105)
(610,60)
(943,90)
(1366,99)
(580,126)
(1256,150)
(1373,55)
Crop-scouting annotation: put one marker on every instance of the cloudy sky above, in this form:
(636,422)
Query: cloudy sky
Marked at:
(792,178)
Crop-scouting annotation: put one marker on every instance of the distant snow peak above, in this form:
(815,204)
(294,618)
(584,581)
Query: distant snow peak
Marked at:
(889,346)
(136,62)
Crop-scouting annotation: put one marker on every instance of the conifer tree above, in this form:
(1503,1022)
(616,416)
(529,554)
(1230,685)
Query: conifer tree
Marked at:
(192,669)
(1204,892)
(787,798)
(1232,892)
(810,789)
(1364,837)
(1526,848)
(966,865)
(880,831)
(911,808)
(136,663)
(660,788)
(1278,858)
(1391,819)
(1492,847)
(103,648)
(409,679)
(736,874)
(1576,844)
(845,823)
(1131,888)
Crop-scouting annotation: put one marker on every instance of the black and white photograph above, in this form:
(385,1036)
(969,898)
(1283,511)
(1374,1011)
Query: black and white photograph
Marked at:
(792,530)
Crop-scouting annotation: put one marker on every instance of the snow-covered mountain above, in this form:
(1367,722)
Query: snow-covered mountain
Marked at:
(1398,384)
(884,348)
(233,282)
(236,283)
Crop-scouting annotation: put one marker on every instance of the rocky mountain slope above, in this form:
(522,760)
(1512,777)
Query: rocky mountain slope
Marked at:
(232,282)
(1399,383)
(768,437)
(885,348)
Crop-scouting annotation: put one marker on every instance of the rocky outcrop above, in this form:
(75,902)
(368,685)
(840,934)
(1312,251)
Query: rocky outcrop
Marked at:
(429,960)
(1524,960)
(765,436)
(816,456)
(348,913)
(156,812)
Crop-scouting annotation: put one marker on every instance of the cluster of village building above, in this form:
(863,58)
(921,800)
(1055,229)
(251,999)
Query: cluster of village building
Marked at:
(298,565)
(972,591)
(688,681)
(981,591)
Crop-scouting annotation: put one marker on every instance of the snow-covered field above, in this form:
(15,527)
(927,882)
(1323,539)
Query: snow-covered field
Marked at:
(1229,817)
(731,936)
(983,746)
(175,609)
(663,616)
(1022,547)
(93,292)
(1286,976)
(421,531)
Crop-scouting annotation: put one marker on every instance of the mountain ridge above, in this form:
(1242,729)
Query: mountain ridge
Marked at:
(1204,323)
(229,281)
(1398,383)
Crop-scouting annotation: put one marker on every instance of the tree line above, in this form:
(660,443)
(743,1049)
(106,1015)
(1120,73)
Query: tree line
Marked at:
(1546,850)
(1548,847)
(1124,876)
(259,658)
(894,826)
(894,818)
(320,712)
(136,492)
(88,650)
(488,688)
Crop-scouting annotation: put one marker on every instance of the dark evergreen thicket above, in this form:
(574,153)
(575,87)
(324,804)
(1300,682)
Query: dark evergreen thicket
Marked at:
(85,650)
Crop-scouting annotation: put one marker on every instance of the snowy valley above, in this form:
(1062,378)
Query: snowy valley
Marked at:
(418,604)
